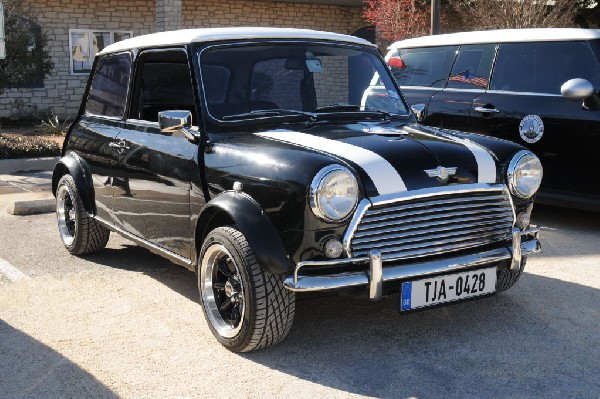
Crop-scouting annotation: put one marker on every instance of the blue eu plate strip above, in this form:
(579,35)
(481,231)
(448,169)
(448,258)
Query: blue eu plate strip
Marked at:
(406,295)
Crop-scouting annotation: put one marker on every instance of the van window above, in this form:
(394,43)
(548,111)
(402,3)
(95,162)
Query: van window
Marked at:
(472,67)
(108,92)
(543,67)
(428,66)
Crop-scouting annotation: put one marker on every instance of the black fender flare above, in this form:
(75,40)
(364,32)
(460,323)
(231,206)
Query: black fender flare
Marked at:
(80,171)
(253,222)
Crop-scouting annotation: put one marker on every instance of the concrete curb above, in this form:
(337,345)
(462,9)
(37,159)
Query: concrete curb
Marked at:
(31,207)
(8,166)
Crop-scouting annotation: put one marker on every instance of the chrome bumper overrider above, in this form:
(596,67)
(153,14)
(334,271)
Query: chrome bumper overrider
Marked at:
(523,243)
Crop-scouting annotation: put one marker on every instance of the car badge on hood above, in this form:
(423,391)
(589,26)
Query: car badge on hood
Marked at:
(441,173)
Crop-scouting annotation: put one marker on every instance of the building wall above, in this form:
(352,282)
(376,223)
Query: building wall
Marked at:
(62,91)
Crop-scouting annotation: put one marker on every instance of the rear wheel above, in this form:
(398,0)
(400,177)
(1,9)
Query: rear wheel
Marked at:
(247,308)
(79,233)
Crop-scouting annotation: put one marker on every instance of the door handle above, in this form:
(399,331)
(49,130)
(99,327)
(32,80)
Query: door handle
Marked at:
(119,145)
(484,110)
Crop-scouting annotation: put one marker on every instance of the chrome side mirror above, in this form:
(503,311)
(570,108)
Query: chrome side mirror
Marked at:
(577,89)
(419,111)
(173,121)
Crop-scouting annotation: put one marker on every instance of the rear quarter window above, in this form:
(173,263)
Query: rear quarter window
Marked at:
(428,67)
(544,67)
(108,92)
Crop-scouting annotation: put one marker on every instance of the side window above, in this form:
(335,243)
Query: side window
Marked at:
(543,67)
(108,92)
(163,82)
(428,66)
(472,67)
(275,86)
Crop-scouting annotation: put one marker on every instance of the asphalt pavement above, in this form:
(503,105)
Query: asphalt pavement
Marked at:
(127,323)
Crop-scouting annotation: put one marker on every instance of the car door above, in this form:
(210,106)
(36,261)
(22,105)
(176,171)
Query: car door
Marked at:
(421,72)
(524,105)
(93,135)
(468,80)
(155,172)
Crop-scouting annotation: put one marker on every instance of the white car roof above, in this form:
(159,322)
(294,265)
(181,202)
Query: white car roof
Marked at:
(186,36)
(500,36)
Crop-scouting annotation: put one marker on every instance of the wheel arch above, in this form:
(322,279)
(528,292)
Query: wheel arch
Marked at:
(79,170)
(245,213)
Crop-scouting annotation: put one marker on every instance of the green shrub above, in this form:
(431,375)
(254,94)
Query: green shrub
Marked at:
(26,147)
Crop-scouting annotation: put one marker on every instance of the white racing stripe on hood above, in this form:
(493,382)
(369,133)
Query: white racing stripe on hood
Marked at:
(486,165)
(381,172)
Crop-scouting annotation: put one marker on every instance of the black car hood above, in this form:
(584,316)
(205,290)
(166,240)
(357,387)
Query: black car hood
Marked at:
(394,158)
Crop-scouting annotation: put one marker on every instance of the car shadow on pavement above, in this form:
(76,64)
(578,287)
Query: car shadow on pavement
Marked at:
(539,339)
(30,369)
(131,257)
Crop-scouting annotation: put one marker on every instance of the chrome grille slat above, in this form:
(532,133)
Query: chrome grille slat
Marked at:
(445,225)
(471,202)
(424,237)
(433,225)
(490,214)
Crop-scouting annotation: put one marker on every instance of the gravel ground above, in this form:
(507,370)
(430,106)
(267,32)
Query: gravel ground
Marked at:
(126,323)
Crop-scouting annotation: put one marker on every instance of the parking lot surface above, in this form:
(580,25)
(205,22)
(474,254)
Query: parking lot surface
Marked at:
(127,323)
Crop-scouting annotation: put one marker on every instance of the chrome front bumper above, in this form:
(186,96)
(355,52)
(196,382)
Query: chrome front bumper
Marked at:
(523,243)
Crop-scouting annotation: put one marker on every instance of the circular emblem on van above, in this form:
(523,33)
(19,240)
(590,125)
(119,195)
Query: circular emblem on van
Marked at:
(531,129)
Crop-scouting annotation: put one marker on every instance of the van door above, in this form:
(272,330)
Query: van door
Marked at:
(524,105)
(468,80)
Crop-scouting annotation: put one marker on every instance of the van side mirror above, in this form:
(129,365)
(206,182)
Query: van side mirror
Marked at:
(419,111)
(577,89)
(172,121)
(581,89)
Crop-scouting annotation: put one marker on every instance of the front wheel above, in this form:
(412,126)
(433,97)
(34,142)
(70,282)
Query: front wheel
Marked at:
(247,308)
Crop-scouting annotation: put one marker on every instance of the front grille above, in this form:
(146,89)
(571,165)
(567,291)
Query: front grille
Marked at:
(434,225)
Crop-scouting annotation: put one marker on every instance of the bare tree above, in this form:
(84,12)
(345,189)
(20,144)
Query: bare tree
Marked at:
(505,14)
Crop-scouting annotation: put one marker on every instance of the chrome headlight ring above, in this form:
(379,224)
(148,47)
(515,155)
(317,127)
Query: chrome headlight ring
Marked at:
(524,174)
(333,193)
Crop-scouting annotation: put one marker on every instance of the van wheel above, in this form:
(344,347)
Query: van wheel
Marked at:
(247,308)
(79,233)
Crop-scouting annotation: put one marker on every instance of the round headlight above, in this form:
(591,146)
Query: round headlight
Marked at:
(524,174)
(333,193)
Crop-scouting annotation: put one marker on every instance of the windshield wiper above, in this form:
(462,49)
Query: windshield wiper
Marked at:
(267,113)
(338,107)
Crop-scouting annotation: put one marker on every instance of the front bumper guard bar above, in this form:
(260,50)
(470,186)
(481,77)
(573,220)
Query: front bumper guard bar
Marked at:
(523,243)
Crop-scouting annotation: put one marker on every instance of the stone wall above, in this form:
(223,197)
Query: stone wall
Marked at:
(62,91)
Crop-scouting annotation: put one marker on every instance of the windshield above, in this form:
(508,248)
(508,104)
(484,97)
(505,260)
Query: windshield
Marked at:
(295,79)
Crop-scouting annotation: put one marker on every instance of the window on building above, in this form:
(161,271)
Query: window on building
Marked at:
(543,67)
(428,67)
(27,71)
(472,67)
(84,44)
(108,92)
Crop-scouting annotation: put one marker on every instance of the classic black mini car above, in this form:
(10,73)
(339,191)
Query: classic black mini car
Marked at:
(508,84)
(262,160)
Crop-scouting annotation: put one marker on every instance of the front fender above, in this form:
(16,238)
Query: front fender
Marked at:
(79,170)
(252,221)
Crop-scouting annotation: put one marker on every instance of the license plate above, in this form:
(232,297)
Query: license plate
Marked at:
(452,287)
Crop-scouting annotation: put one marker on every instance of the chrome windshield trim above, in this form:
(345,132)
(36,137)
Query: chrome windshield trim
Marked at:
(522,93)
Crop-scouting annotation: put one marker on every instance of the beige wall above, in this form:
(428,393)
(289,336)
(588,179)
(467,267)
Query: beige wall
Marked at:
(62,91)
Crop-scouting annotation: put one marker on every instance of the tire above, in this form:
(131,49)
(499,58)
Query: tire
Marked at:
(506,279)
(247,308)
(79,233)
